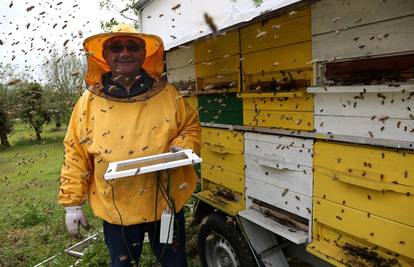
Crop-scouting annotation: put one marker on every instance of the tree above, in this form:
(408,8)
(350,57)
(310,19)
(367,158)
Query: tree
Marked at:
(64,75)
(32,108)
(5,127)
(10,80)
(128,12)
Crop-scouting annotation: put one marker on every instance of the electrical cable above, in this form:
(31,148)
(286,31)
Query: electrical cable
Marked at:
(155,214)
(166,193)
(170,203)
(122,224)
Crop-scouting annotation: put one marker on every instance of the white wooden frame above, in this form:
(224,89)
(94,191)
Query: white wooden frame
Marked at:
(189,158)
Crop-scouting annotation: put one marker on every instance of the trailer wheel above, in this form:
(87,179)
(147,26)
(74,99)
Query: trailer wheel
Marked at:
(221,244)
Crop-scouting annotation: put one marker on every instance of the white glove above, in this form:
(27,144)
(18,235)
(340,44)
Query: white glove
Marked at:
(74,217)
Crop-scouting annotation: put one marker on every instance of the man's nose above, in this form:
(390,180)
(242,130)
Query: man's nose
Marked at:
(124,51)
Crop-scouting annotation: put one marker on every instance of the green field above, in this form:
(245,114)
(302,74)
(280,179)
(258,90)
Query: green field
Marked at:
(32,224)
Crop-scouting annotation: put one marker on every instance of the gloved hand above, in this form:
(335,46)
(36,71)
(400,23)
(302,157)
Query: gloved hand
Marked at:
(175,148)
(74,217)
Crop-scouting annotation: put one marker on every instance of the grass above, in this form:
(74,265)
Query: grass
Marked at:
(32,225)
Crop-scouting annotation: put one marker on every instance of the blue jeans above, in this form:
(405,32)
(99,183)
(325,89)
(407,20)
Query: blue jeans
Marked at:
(127,241)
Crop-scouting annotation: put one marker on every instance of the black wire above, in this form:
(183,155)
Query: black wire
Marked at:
(155,214)
(167,196)
(170,202)
(172,205)
(122,224)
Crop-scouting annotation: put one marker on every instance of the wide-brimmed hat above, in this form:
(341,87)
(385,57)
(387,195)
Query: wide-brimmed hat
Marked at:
(93,46)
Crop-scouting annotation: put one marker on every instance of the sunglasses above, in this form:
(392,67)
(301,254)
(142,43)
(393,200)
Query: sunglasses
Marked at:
(118,48)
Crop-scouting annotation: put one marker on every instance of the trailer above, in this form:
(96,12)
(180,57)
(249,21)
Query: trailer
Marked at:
(307,110)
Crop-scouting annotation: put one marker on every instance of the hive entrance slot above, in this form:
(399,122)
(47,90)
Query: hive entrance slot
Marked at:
(371,71)
(283,217)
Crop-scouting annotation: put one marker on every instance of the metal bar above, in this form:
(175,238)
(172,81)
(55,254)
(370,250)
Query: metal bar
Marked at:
(74,253)
(47,260)
(70,249)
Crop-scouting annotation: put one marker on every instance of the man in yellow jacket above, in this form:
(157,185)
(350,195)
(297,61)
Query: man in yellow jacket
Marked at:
(128,112)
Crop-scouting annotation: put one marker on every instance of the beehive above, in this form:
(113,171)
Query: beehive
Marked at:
(217,63)
(222,169)
(220,108)
(363,201)
(276,69)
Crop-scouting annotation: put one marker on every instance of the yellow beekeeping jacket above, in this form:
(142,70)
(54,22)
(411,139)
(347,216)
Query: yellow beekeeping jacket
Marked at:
(103,130)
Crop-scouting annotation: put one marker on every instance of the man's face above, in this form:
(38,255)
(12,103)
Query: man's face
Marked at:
(124,55)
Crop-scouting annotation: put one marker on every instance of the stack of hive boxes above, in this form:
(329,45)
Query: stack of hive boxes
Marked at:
(276,70)
(363,205)
(217,67)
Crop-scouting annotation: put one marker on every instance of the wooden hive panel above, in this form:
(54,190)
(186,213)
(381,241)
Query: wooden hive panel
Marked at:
(366,195)
(343,30)
(220,108)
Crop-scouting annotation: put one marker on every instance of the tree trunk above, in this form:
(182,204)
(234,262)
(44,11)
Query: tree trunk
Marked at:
(58,124)
(4,141)
(38,137)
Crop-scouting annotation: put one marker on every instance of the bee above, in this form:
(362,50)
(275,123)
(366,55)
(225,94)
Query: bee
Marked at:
(210,237)
(210,22)
(141,191)
(276,27)
(183,186)
(261,34)
(176,7)
(85,140)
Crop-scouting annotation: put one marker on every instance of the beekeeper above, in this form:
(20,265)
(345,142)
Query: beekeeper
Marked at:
(128,111)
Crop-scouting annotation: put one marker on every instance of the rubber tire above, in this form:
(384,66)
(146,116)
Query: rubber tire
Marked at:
(217,224)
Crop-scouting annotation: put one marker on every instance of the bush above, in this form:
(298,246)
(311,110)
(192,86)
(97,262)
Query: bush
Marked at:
(32,216)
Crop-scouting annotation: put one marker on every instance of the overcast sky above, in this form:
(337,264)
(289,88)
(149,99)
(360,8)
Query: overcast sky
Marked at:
(29,29)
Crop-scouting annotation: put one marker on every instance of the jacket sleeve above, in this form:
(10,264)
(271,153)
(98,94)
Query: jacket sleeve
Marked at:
(189,129)
(74,177)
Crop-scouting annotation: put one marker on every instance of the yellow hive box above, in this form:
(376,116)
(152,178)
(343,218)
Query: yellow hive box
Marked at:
(278,50)
(222,170)
(365,195)
(276,59)
(290,110)
(218,63)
